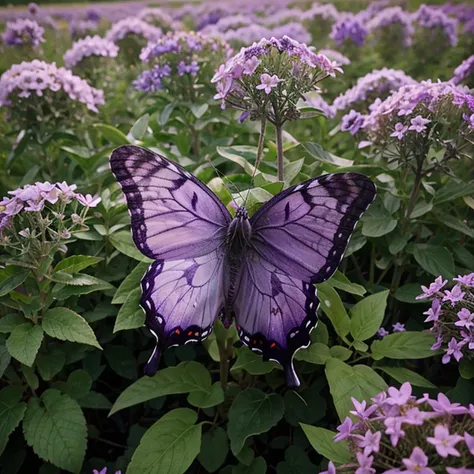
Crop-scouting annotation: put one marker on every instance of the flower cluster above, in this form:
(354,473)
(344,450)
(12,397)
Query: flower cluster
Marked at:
(452,316)
(438,28)
(349,30)
(392,28)
(37,218)
(268,78)
(319,20)
(464,73)
(159,18)
(285,15)
(81,28)
(23,32)
(132,27)
(399,433)
(180,62)
(89,46)
(229,23)
(38,91)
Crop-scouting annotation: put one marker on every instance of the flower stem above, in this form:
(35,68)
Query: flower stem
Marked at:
(261,141)
(279,143)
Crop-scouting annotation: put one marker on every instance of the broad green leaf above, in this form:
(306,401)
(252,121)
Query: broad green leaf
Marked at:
(131,283)
(402,375)
(377,222)
(307,406)
(214,449)
(320,333)
(24,343)
(122,241)
(456,224)
(78,384)
(340,352)
(341,282)
(114,135)
(333,308)
(345,381)
(252,363)
(466,369)
(421,208)
(316,353)
(453,191)
(296,462)
(318,152)
(165,114)
(252,412)
(131,315)
(55,428)
(95,401)
(220,189)
(435,260)
(397,242)
(408,293)
(367,315)
(391,203)
(76,263)
(240,155)
(50,364)
(170,445)
(187,377)
(80,285)
(404,345)
(463,256)
(5,358)
(12,410)
(67,325)
(199,110)
(13,281)
(139,128)
(10,321)
(257,466)
(322,440)
(292,170)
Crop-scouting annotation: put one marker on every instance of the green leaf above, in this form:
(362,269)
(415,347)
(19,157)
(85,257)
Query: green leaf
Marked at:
(187,377)
(320,333)
(367,316)
(340,352)
(421,208)
(453,191)
(67,325)
(131,283)
(114,135)
(397,242)
(50,364)
(170,445)
(5,358)
(252,412)
(94,401)
(12,410)
(316,353)
(361,346)
(391,203)
(24,343)
(252,363)
(242,155)
(292,170)
(214,449)
(466,369)
(463,256)
(139,128)
(332,306)
(318,152)
(341,282)
(408,293)
(165,114)
(76,263)
(80,285)
(123,242)
(199,110)
(257,466)
(345,381)
(456,224)
(131,315)
(404,345)
(220,189)
(56,430)
(10,321)
(13,281)
(322,441)
(296,462)
(121,361)
(435,260)
(78,384)
(377,222)
(402,375)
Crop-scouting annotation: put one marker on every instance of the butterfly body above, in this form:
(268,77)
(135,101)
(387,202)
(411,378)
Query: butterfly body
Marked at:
(259,269)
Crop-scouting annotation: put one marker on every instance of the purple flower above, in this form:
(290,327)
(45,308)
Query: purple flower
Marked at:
(365,463)
(251,65)
(345,429)
(434,288)
(434,312)
(132,26)
(454,349)
(382,332)
(466,318)
(331,469)
(463,71)
(23,32)
(444,442)
(88,200)
(352,122)
(399,397)
(400,131)
(392,16)
(66,191)
(466,280)
(103,471)
(398,327)
(443,405)
(89,46)
(455,295)
(191,68)
(418,124)
(349,28)
(431,18)
(369,442)
(469,439)
(394,429)
(461,470)
(417,463)
(414,416)
(267,82)
(25,233)
(360,409)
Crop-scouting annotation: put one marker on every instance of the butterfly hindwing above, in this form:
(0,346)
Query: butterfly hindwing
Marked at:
(174,216)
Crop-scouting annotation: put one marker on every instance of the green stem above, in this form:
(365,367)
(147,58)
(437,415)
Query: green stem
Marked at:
(261,141)
(279,143)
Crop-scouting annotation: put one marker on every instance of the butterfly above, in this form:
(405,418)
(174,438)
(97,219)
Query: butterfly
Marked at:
(262,269)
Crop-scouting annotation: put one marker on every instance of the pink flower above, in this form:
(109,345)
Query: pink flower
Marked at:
(400,131)
(66,193)
(466,280)
(434,312)
(444,442)
(344,429)
(461,470)
(394,429)
(433,288)
(443,405)
(466,318)
(399,397)
(365,463)
(455,295)
(268,82)
(454,349)
(418,124)
(369,442)
(88,200)
(360,409)
(469,439)
(398,327)
(382,332)
(414,416)
(417,463)
(219,74)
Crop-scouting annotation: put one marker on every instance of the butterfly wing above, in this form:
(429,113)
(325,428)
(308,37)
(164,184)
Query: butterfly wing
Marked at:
(298,239)
(174,215)
(305,230)
(182,225)
(182,299)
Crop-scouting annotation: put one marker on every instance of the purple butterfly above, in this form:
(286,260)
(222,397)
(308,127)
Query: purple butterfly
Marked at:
(208,264)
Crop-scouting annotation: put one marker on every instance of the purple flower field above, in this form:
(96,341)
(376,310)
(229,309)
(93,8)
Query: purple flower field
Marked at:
(237,237)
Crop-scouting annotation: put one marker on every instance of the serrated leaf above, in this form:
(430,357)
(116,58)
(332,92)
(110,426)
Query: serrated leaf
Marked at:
(131,283)
(67,325)
(24,343)
(55,428)
(131,315)
(76,263)
(404,345)
(322,440)
(170,445)
(367,315)
(214,449)
(12,410)
(13,281)
(402,375)
(10,321)
(252,412)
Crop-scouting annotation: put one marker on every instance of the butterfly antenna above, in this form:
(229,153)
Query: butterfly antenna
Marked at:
(225,179)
